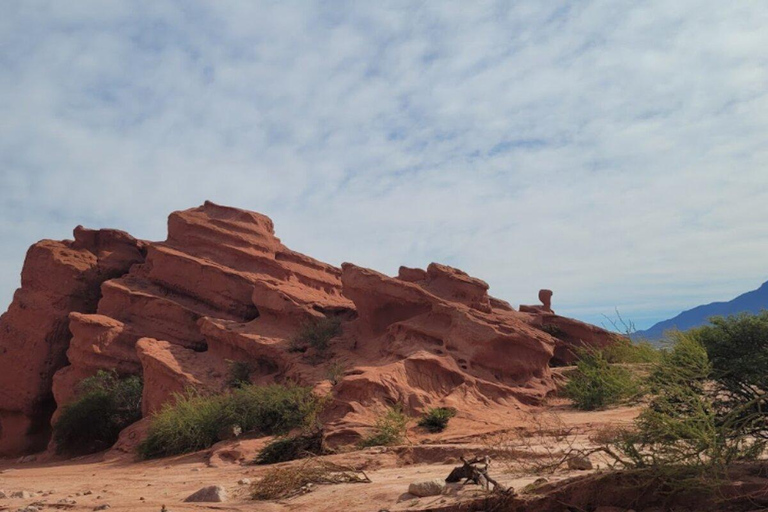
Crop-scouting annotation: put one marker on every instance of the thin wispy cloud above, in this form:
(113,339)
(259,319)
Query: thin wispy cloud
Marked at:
(612,151)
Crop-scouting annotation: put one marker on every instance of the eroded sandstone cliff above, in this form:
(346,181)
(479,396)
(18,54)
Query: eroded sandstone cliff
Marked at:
(223,288)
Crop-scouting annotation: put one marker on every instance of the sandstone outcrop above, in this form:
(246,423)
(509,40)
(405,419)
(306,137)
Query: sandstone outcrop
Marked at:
(222,287)
(58,278)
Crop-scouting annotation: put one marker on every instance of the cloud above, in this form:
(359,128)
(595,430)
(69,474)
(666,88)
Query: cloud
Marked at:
(612,151)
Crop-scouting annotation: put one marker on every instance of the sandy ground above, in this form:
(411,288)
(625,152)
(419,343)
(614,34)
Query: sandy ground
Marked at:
(87,483)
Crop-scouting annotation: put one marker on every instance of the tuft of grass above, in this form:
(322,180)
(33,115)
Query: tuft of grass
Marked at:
(316,334)
(436,419)
(596,383)
(105,405)
(390,429)
(239,374)
(291,448)
(195,421)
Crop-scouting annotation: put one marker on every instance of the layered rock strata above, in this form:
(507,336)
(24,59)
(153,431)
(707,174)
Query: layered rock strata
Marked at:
(222,287)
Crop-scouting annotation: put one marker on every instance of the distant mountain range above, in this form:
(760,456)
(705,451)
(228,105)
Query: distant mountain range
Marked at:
(750,302)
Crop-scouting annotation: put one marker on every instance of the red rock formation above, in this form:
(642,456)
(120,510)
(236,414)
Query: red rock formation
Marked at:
(223,288)
(545,296)
(58,278)
(570,335)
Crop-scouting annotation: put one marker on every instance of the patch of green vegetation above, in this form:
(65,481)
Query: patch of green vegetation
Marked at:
(390,429)
(195,421)
(631,352)
(737,347)
(294,447)
(596,383)
(698,421)
(316,334)
(436,419)
(105,404)
(239,374)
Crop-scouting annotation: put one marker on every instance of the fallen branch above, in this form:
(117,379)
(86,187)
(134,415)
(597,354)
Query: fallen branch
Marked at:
(476,471)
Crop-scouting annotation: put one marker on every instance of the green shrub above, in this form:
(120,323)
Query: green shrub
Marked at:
(195,422)
(596,383)
(274,409)
(737,347)
(631,352)
(292,448)
(105,405)
(239,374)
(191,423)
(316,334)
(436,419)
(687,433)
(390,428)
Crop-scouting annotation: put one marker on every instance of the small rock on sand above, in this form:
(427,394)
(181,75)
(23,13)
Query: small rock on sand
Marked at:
(426,488)
(212,493)
(579,463)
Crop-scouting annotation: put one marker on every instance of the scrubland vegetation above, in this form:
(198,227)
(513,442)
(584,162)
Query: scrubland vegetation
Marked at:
(390,428)
(707,403)
(596,383)
(194,422)
(316,335)
(436,419)
(704,407)
(105,404)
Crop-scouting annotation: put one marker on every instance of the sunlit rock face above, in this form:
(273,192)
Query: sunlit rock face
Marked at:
(223,288)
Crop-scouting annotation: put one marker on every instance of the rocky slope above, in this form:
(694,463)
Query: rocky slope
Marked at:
(222,288)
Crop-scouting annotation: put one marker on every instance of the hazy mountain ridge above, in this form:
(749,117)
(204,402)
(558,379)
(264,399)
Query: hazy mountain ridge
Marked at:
(750,302)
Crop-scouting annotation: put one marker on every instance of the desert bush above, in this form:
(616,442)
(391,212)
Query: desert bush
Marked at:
(194,421)
(390,428)
(686,434)
(285,482)
(628,348)
(295,447)
(239,374)
(274,409)
(316,334)
(596,383)
(436,419)
(631,352)
(105,404)
(737,347)
(542,447)
(335,372)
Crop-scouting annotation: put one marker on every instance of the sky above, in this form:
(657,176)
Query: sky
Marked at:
(615,152)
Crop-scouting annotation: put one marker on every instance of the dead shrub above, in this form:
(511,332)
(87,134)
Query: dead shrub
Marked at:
(543,447)
(287,482)
(295,447)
